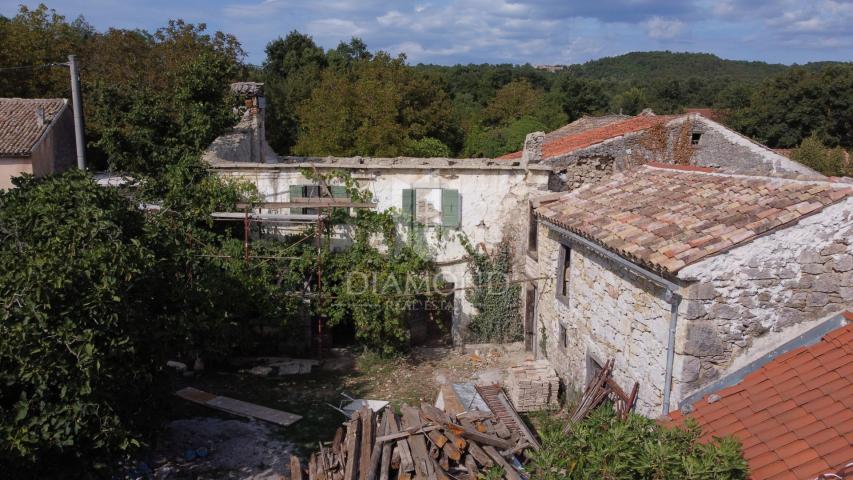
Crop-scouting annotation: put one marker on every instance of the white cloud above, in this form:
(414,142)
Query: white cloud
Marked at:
(335,27)
(660,28)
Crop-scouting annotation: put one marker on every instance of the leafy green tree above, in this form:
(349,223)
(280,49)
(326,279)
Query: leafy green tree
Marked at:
(580,96)
(785,110)
(630,102)
(603,446)
(427,147)
(828,161)
(513,101)
(38,37)
(291,71)
(80,349)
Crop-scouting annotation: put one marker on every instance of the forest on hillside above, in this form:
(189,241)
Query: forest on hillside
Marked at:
(350,100)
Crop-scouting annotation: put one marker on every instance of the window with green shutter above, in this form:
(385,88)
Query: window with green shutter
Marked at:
(408,213)
(297,191)
(450,209)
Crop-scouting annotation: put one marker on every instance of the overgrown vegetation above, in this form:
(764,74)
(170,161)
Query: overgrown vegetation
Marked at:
(495,297)
(829,161)
(603,446)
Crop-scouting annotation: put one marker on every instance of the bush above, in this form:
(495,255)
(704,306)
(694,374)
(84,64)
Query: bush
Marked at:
(602,446)
(828,161)
(80,350)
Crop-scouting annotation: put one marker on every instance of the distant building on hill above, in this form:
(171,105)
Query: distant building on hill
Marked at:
(36,136)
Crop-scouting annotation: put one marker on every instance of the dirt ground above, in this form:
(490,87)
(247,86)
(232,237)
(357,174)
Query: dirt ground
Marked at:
(236,448)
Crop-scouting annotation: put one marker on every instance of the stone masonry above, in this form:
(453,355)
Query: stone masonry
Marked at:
(739,300)
(609,313)
(533,386)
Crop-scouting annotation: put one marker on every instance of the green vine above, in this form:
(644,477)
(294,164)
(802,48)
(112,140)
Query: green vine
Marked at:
(496,300)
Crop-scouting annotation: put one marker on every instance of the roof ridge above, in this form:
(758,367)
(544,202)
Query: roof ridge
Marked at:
(700,170)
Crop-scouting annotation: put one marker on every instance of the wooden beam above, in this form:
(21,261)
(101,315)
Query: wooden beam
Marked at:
(309,203)
(481,438)
(368,429)
(420,454)
(509,472)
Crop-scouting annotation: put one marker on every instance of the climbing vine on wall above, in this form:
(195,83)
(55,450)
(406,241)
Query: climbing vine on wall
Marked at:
(497,300)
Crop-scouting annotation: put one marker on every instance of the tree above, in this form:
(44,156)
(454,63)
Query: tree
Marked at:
(785,110)
(80,353)
(513,101)
(630,102)
(828,161)
(580,96)
(291,71)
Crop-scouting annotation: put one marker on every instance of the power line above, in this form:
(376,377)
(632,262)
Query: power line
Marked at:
(32,67)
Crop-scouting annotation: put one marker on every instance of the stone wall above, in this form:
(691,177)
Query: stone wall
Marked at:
(582,171)
(717,147)
(743,302)
(609,314)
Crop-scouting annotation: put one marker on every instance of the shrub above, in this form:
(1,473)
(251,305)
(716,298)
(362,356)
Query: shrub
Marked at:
(602,446)
(79,350)
(497,301)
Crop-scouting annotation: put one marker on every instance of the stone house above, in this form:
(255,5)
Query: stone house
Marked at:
(36,137)
(491,199)
(682,274)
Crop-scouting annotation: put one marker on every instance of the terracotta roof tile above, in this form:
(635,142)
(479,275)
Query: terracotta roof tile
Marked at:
(556,146)
(20,129)
(665,219)
(790,414)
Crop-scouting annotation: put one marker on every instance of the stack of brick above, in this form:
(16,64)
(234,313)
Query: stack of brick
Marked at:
(532,386)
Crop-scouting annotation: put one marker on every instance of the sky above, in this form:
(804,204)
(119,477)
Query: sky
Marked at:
(448,32)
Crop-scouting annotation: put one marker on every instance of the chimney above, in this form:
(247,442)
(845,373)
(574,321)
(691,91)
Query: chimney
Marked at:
(40,116)
(532,152)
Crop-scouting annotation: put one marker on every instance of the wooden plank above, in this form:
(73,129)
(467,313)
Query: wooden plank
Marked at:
(312,467)
(405,433)
(460,442)
(352,447)
(437,438)
(481,438)
(407,464)
(452,405)
(434,414)
(420,454)
(295,468)
(385,461)
(376,453)
(481,456)
(451,451)
(368,429)
(471,466)
(238,407)
(509,472)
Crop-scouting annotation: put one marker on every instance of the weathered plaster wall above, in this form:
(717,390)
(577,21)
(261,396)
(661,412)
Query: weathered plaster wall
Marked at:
(493,207)
(13,167)
(610,314)
(745,299)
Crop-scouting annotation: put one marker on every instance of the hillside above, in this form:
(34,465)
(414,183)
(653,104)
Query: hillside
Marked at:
(644,67)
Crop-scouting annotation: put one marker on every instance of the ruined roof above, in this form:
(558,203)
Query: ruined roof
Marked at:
(559,145)
(248,89)
(20,127)
(583,124)
(794,415)
(665,217)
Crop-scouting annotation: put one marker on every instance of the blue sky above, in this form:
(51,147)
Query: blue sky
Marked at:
(507,31)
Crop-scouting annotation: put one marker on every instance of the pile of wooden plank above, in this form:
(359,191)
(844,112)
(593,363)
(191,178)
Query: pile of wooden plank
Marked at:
(601,388)
(423,443)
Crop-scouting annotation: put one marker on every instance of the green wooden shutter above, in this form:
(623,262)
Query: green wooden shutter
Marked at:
(339,191)
(296,191)
(408,206)
(450,209)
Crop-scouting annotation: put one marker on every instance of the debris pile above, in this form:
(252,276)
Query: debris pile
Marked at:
(600,388)
(533,386)
(423,442)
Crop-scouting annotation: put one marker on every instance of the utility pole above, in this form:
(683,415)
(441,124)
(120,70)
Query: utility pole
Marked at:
(77,104)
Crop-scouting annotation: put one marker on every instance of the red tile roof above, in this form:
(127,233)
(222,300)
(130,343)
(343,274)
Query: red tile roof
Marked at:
(20,129)
(794,415)
(589,137)
(667,218)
